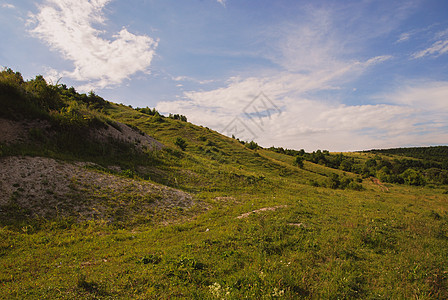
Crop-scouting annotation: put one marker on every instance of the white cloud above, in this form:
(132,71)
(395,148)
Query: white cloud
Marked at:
(424,95)
(442,34)
(68,27)
(314,57)
(191,79)
(301,121)
(308,45)
(436,49)
(222,2)
(404,37)
(231,99)
(305,123)
(313,124)
(8,5)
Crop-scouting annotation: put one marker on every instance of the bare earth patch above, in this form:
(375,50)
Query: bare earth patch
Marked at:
(125,133)
(245,215)
(377,182)
(47,188)
(14,131)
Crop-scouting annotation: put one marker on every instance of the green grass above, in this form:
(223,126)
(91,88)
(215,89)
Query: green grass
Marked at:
(318,243)
(350,244)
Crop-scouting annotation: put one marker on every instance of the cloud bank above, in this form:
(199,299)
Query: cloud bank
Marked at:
(68,28)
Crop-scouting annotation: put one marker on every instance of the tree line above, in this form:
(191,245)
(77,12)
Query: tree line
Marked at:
(413,171)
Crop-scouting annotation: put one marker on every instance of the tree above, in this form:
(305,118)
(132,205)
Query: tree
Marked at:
(299,161)
(383,174)
(346,164)
(334,181)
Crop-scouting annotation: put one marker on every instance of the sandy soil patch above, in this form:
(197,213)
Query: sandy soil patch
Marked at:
(125,133)
(14,131)
(245,215)
(46,187)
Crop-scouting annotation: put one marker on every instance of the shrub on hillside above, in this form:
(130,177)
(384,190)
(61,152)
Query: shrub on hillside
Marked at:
(252,145)
(181,143)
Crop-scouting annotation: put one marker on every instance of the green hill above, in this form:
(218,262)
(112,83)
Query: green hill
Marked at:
(101,200)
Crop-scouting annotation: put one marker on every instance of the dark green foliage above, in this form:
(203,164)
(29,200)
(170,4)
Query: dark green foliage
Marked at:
(437,153)
(181,143)
(128,173)
(151,259)
(35,98)
(299,161)
(157,118)
(413,177)
(432,168)
(17,99)
(334,181)
(178,117)
(290,152)
(252,145)
(73,118)
(148,111)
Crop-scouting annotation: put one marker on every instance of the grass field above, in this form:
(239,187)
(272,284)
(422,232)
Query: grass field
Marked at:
(319,243)
(260,227)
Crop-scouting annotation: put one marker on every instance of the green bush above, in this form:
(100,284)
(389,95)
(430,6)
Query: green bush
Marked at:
(413,177)
(181,143)
(252,145)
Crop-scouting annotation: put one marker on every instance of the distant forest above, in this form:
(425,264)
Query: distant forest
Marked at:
(413,166)
(437,153)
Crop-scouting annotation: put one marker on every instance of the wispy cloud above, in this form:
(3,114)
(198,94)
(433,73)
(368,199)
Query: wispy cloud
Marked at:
(422,95)
(8,5)
(191,79)
(414,116)
(68,27)
(314,57)
(222,2)
(302,119)
(439,47)
(404,37)
(309,55)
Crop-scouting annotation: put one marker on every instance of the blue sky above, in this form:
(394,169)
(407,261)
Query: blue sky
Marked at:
(336,75)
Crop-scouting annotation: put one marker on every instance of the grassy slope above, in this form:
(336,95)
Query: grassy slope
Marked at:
(324,244)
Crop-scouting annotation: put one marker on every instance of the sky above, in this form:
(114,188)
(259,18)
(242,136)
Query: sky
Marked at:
(334,75)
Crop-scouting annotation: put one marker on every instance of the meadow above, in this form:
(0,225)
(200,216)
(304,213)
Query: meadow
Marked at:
(261,226)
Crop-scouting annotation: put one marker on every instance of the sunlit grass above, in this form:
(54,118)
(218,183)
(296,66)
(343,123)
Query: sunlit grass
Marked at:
(314,242)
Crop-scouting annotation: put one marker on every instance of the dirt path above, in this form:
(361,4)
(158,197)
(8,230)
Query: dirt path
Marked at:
(377,182)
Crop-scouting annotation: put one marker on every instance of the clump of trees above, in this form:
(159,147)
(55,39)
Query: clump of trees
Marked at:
(335,181)
(60,105)
(148,111)
(252,145)
(178,117)
(154,112)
